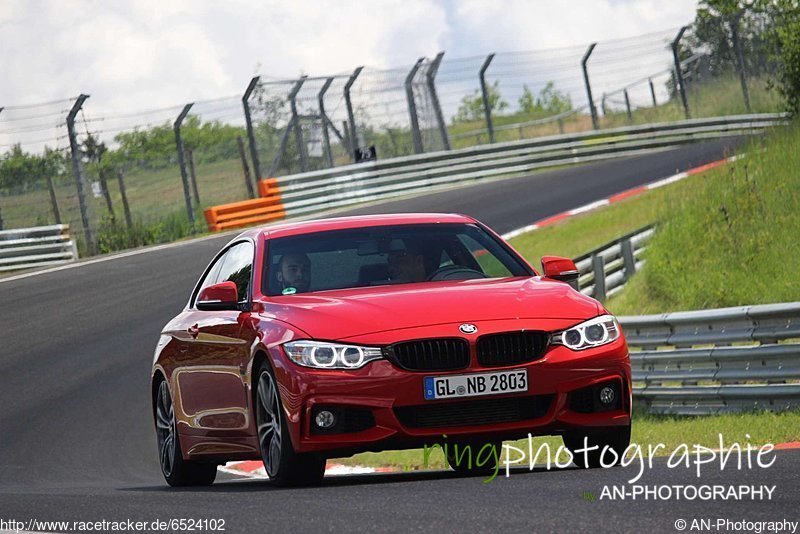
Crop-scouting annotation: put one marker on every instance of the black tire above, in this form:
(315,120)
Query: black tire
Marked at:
(176,470)
(283,465)
(459,460)
(615,438)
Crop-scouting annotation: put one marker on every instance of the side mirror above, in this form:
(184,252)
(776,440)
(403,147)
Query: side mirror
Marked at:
(222,296)
(561,269)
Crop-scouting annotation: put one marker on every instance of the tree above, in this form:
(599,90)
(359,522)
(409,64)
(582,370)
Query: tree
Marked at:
(786,37)
(471,107)
(21,172)
(550,100)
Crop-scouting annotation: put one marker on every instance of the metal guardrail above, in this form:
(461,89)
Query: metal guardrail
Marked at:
(40,246)
(343,186)
(604,270)
(716,361)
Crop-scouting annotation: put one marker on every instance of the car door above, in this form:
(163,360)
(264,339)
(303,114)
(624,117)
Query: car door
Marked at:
(213,388)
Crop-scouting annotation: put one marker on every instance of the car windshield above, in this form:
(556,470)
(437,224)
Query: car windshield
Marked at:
(403,254)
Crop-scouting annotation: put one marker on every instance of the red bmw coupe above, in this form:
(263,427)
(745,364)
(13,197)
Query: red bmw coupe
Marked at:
(310,340)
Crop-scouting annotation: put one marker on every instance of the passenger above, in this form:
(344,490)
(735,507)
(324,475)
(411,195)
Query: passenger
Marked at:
(406,264)
(294,272)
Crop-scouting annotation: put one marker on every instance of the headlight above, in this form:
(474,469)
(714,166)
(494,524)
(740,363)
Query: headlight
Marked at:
(592,333)
(321,355)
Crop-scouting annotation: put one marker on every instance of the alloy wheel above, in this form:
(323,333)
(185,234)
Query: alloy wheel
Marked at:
(269,423)
(165,429)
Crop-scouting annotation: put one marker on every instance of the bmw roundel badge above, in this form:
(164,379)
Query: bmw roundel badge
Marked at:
(468,328)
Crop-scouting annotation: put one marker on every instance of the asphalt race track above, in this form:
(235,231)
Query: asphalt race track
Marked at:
(76,436)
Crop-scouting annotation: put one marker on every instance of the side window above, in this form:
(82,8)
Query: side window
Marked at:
(211,277)
(237,267)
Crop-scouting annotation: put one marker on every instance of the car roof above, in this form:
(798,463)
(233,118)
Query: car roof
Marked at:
(340,223)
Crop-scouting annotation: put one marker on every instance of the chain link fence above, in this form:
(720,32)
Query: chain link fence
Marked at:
(147,176)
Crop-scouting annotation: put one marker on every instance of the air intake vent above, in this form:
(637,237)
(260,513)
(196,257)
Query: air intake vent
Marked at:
(475,412)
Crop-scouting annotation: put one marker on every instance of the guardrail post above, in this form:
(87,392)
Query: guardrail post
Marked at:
(437,108)
(599,268)
(679,70)
(245,168)
(350,116)
(737,48)
(251,136)
(326,140)
(416,137)
(182,162)
(628,105)
(628,259)
(77,170)
(123,193)
(592,108)
(652,91)
(487,110)
(53,199)
(298,129)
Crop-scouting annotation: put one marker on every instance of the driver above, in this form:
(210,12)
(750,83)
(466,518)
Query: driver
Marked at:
(294,272)
(406,263)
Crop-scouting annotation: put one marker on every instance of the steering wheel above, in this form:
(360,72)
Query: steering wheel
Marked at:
(455,272)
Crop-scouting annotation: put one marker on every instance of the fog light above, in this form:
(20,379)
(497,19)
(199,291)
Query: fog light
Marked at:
(606,395)
(325,419)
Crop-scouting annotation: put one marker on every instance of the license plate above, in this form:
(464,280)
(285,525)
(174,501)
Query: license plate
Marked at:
(474,385)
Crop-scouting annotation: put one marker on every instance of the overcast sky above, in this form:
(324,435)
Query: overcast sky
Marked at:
(143,54)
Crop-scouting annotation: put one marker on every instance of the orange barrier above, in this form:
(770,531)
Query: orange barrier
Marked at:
(259,210)
(269,188)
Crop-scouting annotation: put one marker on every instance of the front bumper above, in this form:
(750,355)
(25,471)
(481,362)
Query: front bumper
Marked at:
(399,416)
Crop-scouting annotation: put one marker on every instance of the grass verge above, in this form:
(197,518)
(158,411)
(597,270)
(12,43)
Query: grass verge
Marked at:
(726,237)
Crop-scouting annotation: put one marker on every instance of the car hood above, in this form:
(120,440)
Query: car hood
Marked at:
(340,314)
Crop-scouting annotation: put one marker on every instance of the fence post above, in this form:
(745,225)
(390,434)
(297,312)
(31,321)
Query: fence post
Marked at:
(251,137)
(487,110)
(737,48)
(628,105)
(193,177)
(53,199)
(78,172)
(325,137)
(652,91)
(412,107)
(592,109)
(106,193)
(679,70)
(276,161)
(347,141)
(245,167)
(437,108)
(628,259)
(599,268)
(350,116)
(603,106)
(1,217)
(123,193)
(182,162)
(298,130)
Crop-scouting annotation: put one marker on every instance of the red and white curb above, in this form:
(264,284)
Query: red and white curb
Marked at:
(255,469)
(616,198)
